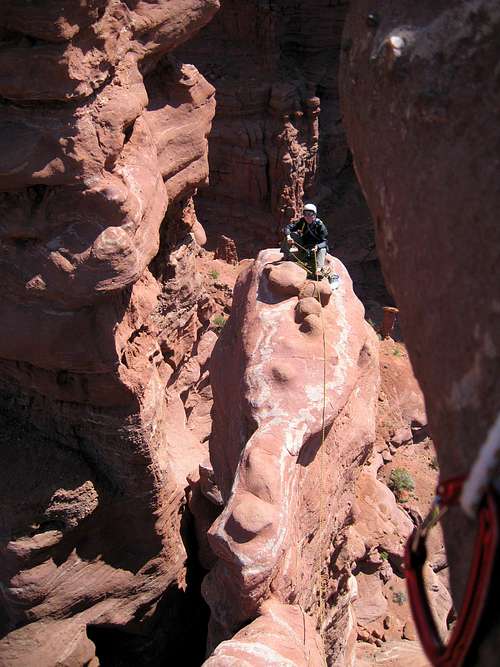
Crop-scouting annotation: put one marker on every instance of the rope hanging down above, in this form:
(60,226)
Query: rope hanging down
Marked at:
(320,578)
(322,581)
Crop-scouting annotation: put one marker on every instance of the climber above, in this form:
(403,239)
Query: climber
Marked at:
(309,235)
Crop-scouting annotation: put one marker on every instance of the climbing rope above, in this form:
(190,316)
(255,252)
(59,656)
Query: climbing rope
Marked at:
(482,471)
(321,580)
(302,264)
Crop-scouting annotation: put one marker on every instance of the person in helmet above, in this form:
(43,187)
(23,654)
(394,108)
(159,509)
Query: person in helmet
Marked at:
(310,236)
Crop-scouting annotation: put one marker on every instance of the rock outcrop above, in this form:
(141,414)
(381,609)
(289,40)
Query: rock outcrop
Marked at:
(103,144)
(287,494)
(277,134)
(421,106)
(384,516)
(111,310)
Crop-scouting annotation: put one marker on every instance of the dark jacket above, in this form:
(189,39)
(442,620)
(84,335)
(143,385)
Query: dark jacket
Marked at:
(309,235)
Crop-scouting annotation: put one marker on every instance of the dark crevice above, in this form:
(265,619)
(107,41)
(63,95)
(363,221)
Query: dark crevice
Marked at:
(127,132)
(178,626)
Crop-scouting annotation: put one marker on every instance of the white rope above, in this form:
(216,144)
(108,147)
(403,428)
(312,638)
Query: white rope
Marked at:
(482,471)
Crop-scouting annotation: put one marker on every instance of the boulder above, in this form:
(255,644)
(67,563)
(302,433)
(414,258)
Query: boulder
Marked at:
(286,278)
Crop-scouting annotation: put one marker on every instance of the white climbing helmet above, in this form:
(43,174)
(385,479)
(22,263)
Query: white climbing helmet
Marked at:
(310,207)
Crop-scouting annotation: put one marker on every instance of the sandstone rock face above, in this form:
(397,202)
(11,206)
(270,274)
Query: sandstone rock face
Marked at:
(287,494)
(283,636)
(421,103)
(382,520)
(102,146)
(278,135)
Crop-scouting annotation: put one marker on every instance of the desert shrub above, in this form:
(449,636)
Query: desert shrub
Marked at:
(213,274)
(401,480)
(399,597)
(218,322)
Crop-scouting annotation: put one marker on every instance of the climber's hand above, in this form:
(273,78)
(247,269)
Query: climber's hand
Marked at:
(289,240)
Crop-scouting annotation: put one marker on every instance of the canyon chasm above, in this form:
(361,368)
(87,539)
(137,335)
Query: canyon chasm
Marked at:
(200,443)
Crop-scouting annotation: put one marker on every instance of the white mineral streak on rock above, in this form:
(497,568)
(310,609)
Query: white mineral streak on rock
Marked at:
(288,410)
(344,358)
(255,649)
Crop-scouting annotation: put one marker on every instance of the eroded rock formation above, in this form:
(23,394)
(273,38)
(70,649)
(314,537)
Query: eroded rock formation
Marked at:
(107,319)
(103,141)
(383,518)
(277,134)
(421,107)
(287,496)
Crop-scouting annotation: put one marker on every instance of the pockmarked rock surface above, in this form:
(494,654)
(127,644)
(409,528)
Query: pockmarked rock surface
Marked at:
(421,107)
(287,495)
(103,143)
(383,518)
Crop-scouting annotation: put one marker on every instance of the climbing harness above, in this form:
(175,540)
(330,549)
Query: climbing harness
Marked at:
(455,652)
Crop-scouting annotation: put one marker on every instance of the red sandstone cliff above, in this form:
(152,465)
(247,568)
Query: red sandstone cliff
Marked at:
(287,496)
(108,329)
(292,523)
(277,134)
(103,142)
(421,106)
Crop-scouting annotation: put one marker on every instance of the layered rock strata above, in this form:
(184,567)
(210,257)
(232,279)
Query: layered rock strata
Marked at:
(421,106)
(103,144)
(294,414)
(277,134)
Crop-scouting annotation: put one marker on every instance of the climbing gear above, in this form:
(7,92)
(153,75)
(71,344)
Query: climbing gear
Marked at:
(482,471)
(480,575)
(310,207)
(303,258)
(300,253)
(333,278)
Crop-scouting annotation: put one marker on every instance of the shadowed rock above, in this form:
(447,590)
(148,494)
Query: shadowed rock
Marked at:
(421,106)
(102,139)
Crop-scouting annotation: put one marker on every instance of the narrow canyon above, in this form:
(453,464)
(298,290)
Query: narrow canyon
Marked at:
(208,456)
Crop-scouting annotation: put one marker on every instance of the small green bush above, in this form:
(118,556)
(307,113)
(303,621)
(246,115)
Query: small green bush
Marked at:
(399,597)
(397,352)
(384,555)
(218,322)
(213,274)
(401,480)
